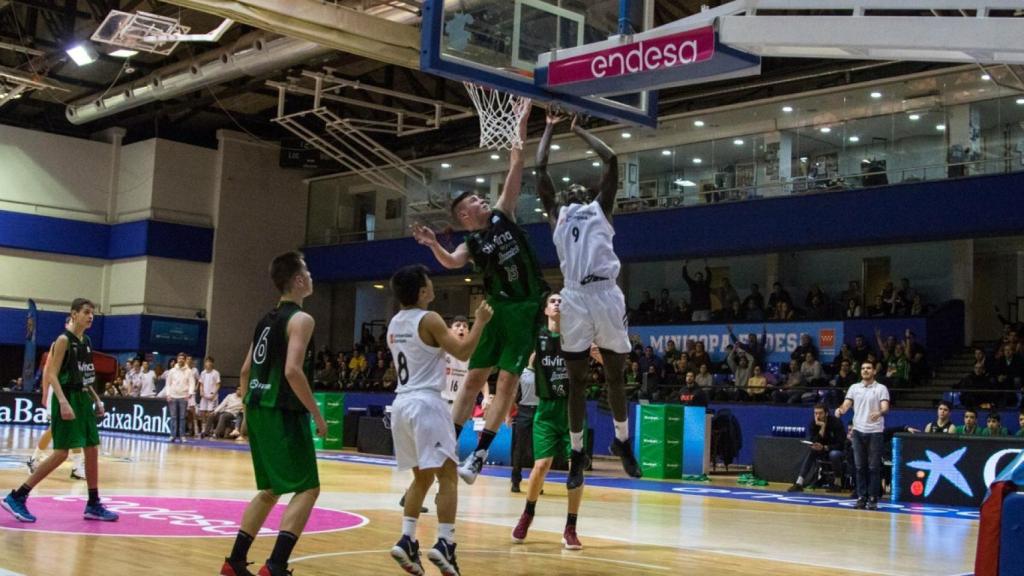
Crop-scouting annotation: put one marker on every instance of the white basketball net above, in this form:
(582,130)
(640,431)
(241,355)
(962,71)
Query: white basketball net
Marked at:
(500,114)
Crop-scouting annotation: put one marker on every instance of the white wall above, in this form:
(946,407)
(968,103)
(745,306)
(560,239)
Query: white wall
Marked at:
(126,287)
(135,181)
(52,280)
(176,287)
(184,179)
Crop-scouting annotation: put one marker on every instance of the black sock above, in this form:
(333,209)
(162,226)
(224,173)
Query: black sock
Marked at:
(531,507)
(458,431)
(486,437)
(240,551)
(571,520)
(283,548)
(94,496)
(22,493)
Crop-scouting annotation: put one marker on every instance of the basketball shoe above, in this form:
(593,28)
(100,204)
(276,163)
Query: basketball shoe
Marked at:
(235,568)
(407,553)
(569,539)
(624,450)
(443,556)
(471,468)
(17,508)
(519,533)
(577,463)
(99,512)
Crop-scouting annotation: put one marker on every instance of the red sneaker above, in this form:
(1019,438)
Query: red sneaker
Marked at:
(235,568)
(519,534)
(569,539)
(272,570)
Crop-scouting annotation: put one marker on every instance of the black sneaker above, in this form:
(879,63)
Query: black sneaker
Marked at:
(872,504)
(577,463)
(235,568)
(471,468)
(624,450)
(861,504)
(515,488)
(795,488)
(443,556)
(423,509)
(407,553)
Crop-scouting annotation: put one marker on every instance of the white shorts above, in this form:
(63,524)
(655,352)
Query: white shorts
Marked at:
(207,405)
(422,430)
(596,314)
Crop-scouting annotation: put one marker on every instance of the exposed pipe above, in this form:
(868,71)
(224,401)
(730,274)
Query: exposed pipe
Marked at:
(251,55)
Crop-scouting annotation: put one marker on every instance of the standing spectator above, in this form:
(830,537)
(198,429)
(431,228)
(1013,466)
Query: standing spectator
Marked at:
(742,368)
(700,292)
(994,426)
(970,426)
(192,422)
(943,424)
(777,296)
(132,379)
(870,402)
(754,301)
(828,439)
(147,381)
(209,390)
(181,385)
(915,354)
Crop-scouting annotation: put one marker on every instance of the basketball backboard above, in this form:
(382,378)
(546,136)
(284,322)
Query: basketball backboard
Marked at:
(496,43)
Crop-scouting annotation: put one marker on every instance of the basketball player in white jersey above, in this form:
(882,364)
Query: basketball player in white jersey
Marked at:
(421,421)
(593,307)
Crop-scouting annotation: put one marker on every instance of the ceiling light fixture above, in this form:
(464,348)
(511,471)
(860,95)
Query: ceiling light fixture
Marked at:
(83,53)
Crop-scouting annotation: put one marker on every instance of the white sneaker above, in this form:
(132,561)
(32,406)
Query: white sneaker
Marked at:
(471,468)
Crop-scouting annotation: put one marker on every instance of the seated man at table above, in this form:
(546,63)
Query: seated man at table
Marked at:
(826,439)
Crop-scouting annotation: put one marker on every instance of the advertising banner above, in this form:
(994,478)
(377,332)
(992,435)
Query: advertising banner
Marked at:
(782,337)
(135,415)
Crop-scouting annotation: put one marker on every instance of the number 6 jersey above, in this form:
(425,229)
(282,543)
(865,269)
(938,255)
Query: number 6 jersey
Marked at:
(418,366)
(583,238)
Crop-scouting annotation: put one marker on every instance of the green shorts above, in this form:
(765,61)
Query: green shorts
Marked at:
(283,456)
(551,429)
(80,432)
(508,339)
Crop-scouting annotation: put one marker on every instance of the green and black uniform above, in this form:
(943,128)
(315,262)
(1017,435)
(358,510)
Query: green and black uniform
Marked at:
(280,438)
(515,290)
(77,374)
(551,420)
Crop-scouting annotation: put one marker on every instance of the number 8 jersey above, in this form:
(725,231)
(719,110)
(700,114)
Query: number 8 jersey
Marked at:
(418,366)
(583,238)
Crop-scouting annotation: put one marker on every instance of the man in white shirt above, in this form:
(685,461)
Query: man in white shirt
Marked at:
(870,402)
(131,379)
(209,382)
(147,381)
(227,414)
(181,385)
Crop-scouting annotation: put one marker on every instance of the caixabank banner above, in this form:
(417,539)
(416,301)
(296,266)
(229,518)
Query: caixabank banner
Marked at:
(947,469)
(136,415)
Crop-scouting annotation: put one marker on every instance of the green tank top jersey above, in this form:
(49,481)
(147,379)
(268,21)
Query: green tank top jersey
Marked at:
(77,370)
(506,259)
(552,376)
(268,387)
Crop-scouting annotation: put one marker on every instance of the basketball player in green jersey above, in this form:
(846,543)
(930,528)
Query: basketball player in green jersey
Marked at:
(550,424)
(70,374)
(515,290)
(278,402)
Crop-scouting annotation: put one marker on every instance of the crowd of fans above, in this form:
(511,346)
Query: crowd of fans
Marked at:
(998,373)
(368,367)
(724,304)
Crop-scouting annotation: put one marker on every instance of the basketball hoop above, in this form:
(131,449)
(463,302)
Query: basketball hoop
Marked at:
(500,114)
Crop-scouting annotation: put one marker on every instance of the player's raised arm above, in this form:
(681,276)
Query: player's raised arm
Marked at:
(609,185)
(458,258)
(546,186)
(514,181)
(461,349)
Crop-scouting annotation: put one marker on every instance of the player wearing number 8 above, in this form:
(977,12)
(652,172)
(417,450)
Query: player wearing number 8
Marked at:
(421,421)
(593,307)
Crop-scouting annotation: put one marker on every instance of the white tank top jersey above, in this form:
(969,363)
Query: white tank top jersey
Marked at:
(454,376)
(583,238)
(418,366)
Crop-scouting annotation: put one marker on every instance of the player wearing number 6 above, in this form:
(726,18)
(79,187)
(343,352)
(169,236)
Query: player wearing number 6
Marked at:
(421,421)
(593,307)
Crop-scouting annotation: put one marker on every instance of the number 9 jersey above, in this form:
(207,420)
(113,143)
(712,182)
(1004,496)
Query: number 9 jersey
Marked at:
(583,238)
(419,367)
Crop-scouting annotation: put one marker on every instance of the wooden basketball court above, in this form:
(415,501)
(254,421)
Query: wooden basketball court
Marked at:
(624,531)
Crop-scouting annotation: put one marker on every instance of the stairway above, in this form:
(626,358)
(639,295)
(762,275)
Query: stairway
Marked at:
(945,375)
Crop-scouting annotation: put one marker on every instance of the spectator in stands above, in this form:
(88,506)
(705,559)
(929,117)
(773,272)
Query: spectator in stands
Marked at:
(975,388)
(852,309)
(943,423)
(700,292)
(704,378)
(878,309)
(181,385)
(793,388)
(692,394)
(209,391)
(633,375)
(664,307)
(358,365)
(652,364)
(853,293)
(970,425)
(816,292)
(733,313)
(699,357)
(806,346)
(812,371)
(870,402)
(388,379)
(828,438)
(227,416)
(897,368)
(683,314)
(132,380)
(980,358)
(111,388)
(844,355)
(917,307)
(671,352)
(147,381)
(753,346)
(841,382)
(754,301)
(1008,369)
(904,297)
(994,426)
(778,295)
(915,354)
(784,312)
(1020,422)
(727,295)
(889,298)
(645,311)
(742,368)
(327,376)
(818,309)
(757,385)
(860,350)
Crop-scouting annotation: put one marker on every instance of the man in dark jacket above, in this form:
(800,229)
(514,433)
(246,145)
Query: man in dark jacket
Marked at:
(827,438)
(700,292)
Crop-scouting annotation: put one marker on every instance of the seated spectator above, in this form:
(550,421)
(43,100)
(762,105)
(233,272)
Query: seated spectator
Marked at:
(699,357)
(727,295)
(783,312)
(683,314)
(388,378)
(816,292)
(778,295)
(897,368)
(327,376)
(1008,369)
(671,352)
(860,350)
(980,358)
(852,293)
(852,309)
(840,383)
(112,388)
(651,364)
(903,298)
(793,388)
(916,355)
(757,384)
(1020,422)
(844,355)
(813,374)
(976,388)
(888,296)
(633,375)
(827,437)
(752,313)
(742,368)
(943,423)
(227,416)
(645,311)
(358,364)
(917,307)
(664,307)
(878,309)
(733,313)
(692,394)
(806,346)
(970,426)
(994,426)
(754,302)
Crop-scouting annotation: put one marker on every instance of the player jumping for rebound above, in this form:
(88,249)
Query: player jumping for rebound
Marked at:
(550,424)
(275,380)
(593,307)
(421,420)
(515,290)
(70,373)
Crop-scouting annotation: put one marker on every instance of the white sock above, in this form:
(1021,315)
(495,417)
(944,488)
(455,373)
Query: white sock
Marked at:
(799,481)
(622,430)
(35,454)
(409,527)
(78,461)
(446,532)
(576,440)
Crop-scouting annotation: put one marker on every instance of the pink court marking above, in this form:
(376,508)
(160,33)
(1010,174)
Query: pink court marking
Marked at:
(162,517)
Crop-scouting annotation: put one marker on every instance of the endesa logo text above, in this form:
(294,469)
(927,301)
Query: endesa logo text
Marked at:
(656,53)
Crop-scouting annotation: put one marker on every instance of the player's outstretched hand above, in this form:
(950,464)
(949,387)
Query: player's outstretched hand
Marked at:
(483,312)
(321,426)
(424,235)
(554,115)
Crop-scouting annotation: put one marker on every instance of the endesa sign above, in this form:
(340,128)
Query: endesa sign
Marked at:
(669,51)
